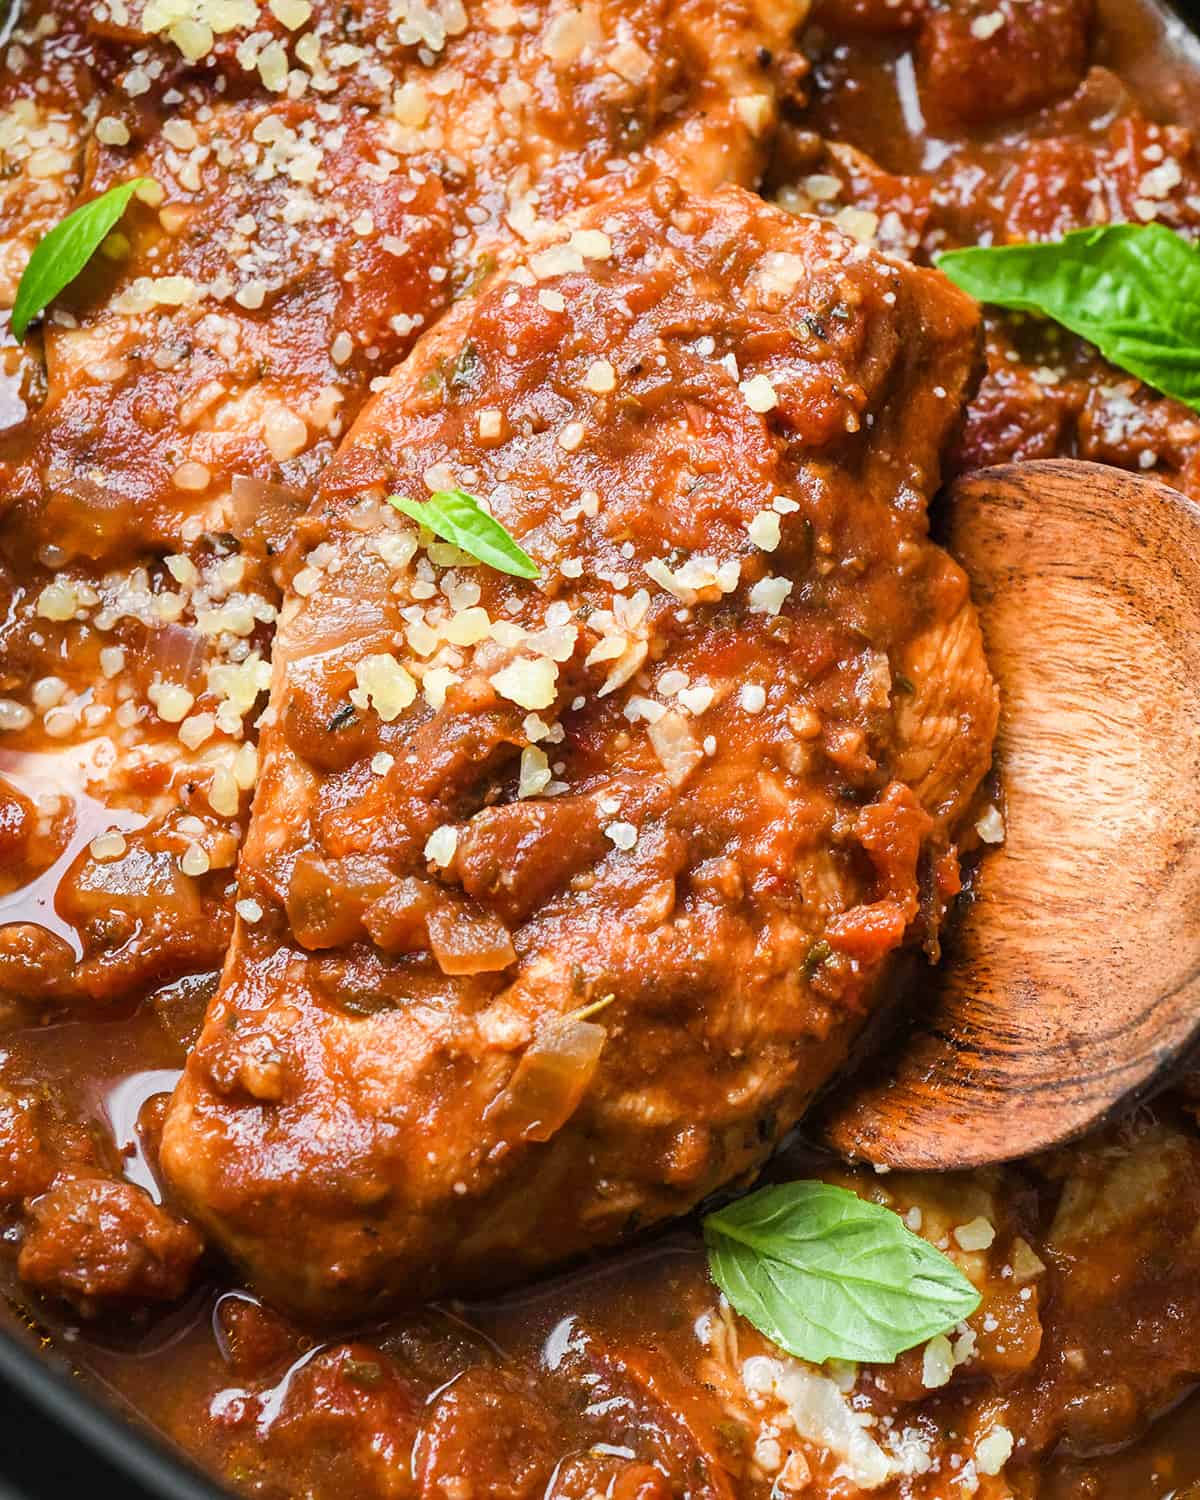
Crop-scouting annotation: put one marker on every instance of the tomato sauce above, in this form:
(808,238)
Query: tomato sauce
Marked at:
(625,1377)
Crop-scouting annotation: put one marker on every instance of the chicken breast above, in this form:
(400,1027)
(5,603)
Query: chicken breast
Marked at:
(561,897)
(308,213)
(320,182)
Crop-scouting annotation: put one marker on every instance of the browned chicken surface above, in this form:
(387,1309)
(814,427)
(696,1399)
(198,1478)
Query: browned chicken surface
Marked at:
(561,897)
(321,182)
(601,985)
(326,200)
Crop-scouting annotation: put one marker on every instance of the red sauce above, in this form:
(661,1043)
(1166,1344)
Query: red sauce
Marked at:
(597,1381)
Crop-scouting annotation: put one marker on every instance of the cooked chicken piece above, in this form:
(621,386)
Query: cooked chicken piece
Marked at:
(560,898)
(78,1231)
(1088,1266)
(43,89)
(1032,52)
(297,237)
(1123,1250)
(93,1241)
(325,181)
(518,104)
(1088,1269)
(946,678)
(26,1167)
(43,129)
(227,334)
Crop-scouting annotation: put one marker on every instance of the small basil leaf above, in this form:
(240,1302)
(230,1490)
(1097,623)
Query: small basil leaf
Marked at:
(458,517)
(62,253)
(826,1275)
(1133,290)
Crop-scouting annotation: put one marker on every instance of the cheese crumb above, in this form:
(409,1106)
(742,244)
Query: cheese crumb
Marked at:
(768,594)
(937,1364)
(223,793)
(697,699)
(441,844)
(1027,1265)
(436,683)
(196,729)
(112,132)
(109,845)
(291,13)
(592,244)
(764,530)
(993,1450)
(987,26)
(977,1235)
(172,702)
(601,377)
(759,394)
(990,825)
(531,684)
(755,111)
(58,601)
(535,772)
(384,685)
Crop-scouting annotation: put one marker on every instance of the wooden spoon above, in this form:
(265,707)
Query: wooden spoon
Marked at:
(1073,980)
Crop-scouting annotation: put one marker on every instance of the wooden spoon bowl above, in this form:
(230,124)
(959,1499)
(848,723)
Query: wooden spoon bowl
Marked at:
(1073,980)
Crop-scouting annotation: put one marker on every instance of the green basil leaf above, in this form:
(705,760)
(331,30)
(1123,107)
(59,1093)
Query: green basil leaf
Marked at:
(1133,290)
(458,517)
(65,250)
(826,1275)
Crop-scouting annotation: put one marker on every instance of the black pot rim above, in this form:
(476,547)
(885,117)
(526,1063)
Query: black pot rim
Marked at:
(136,1451)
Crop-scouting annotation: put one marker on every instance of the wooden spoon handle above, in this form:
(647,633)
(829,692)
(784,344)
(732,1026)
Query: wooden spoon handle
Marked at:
(1073,979)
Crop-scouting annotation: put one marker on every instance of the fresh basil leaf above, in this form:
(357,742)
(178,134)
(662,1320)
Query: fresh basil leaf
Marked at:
(458,517)
(1133,290)
(62,253)
(826,1275)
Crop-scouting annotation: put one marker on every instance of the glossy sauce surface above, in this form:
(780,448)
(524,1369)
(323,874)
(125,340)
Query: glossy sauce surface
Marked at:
(603,1368)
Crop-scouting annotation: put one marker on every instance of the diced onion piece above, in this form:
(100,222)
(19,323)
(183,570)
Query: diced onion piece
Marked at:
(265,512)
(326,898)
(676,747)
(468,940)
(550,1081)
(397,921)
(178,654)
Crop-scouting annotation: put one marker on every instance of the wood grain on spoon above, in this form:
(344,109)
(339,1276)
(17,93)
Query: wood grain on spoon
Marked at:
(1073,980)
